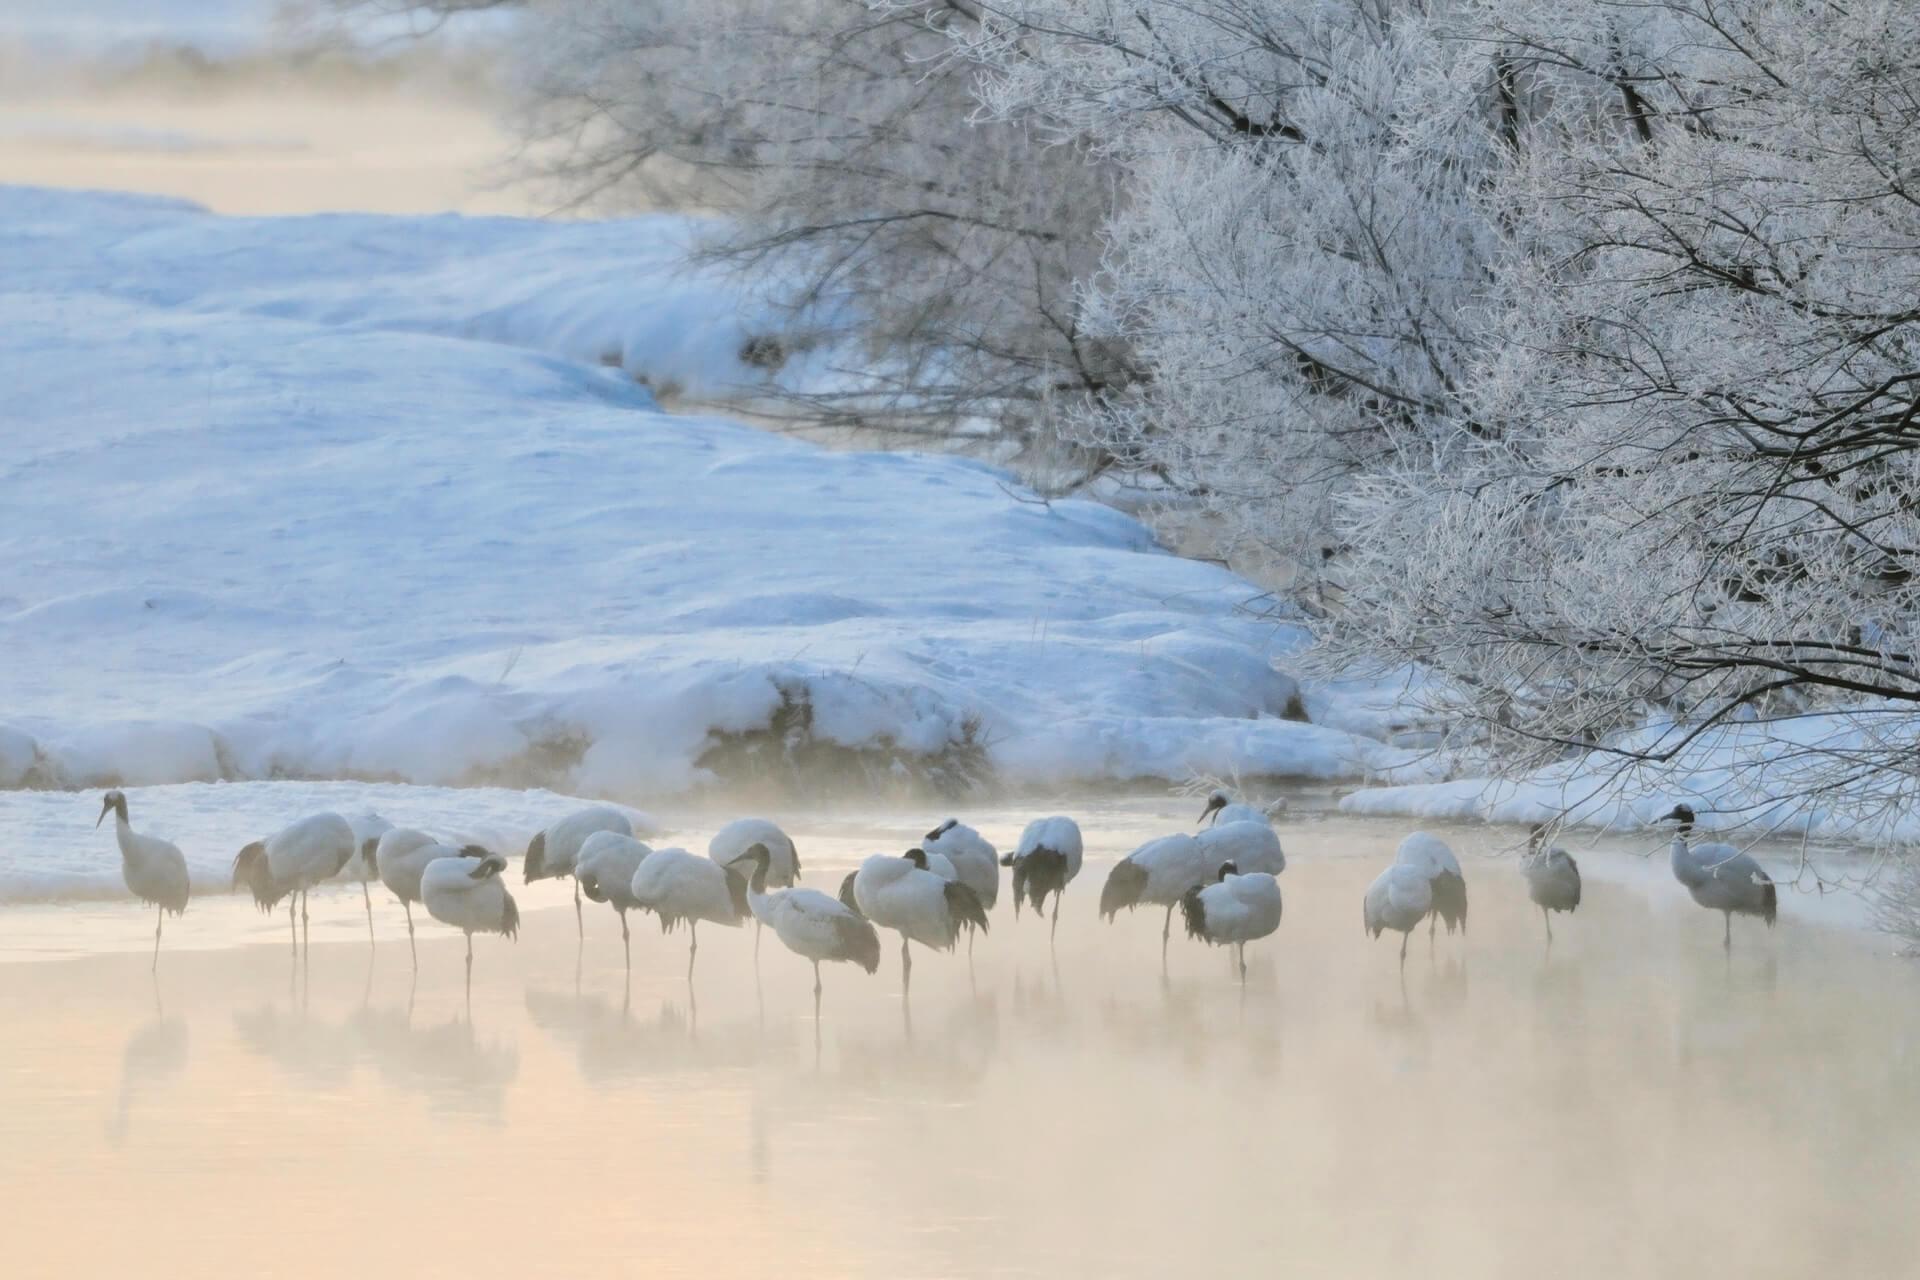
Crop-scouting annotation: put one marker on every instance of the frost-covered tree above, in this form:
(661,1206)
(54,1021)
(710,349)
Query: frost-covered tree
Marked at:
(1580,337)
(933,254)
(1685,494)
(1304,258)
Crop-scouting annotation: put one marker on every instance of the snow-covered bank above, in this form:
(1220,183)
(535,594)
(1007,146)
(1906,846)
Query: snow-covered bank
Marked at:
(353,496)
(1750,780)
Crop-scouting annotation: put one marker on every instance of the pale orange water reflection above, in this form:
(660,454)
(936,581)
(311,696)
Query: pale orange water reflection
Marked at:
(1631,1104)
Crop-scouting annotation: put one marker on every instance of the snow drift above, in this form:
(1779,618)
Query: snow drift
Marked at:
(381,498)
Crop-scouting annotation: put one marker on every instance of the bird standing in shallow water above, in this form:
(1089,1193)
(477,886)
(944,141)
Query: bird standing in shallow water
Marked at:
(810,924)
(903,895)
(155,870)
(1399,899)
(1720,877)
(731,842)
(1234,910)
(976,863)
(551,853)
(1158,872)
(467,893)
(290,862)
(604,871)
(679,886)
(1553,878)
(1431,857)
(1045,862)
(402,856)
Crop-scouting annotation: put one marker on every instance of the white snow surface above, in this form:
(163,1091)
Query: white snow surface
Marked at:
(50,850)
(1745,779)
(356,497)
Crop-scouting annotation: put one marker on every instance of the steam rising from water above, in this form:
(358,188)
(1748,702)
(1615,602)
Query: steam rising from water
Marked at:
(1630,1104)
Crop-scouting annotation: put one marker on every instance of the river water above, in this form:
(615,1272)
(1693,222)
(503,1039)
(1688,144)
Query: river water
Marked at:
(1633,1102)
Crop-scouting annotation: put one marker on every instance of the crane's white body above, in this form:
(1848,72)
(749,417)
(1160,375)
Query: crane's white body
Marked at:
(1058,834)
(1718,876)
(289,863)
(919,905)
(732,841)
(155,870)
(810,924)
(401,855)
(311,851)
(807,922)
(680,886)
(1553,879)
(895,894)
(1158,872)
(1399,899)
(1170,866)
(1722,878)
(1250,845)
(1045,861)
(1447,885)
(976,863)
(553,851)
(604,869)
(1428,854)
(1236,909)
(606,865)
(468,893)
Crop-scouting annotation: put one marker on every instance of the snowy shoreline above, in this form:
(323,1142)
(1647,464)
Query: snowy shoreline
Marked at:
(352,496)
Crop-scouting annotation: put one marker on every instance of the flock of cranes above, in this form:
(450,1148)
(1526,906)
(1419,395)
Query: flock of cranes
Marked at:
(1223,879)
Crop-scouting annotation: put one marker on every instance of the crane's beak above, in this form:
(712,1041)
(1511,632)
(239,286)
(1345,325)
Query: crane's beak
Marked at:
(103,816)
(1214,805)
